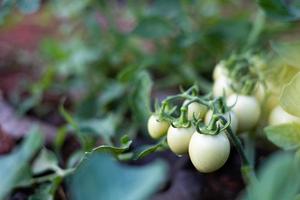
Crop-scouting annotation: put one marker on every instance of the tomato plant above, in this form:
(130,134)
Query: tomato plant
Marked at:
(221,77)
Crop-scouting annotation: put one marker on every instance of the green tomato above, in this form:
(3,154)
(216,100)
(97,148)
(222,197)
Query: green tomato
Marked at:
(220,71)
(209,152)
(179,138)
(196,109)
(247,110)
(221,86)
(280,116)
(233,118)
(260,93)
(156,127)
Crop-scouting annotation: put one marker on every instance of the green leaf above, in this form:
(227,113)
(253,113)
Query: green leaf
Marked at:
(43,192)
(5,8)
(125,145)
(278,179)
(149,149)
(290,97)
(45,161)
(280,9)
(166,8)
(101,177)
(68,117)
(154,28)
(289,52)
(286,136)
(140,97)
(105,127)
(112,91)
(28,6)
(13,166)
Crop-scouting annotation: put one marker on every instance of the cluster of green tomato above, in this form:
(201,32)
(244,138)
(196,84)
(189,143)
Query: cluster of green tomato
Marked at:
(262,96)
(209,152)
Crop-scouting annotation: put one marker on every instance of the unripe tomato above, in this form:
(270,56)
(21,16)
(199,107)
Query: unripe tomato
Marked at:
(209,152)
(280,116)
(272,101)
(247,110)
(196,109)
(157,128)
(179,138)
(220,71)
(221,86)
(233,118)
(260,93)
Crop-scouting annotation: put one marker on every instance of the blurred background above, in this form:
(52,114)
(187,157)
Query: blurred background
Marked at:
(103,64)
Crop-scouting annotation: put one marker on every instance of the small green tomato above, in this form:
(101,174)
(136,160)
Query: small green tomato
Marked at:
(196,109)
(222,86)
(260,93)
(280,116)
(220,70)
(179,138)
(157,128)
(233,118)
(247,110)
(209,152)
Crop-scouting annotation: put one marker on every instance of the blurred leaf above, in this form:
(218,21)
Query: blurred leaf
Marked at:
(289,52)
(60,137)
(286,136)
(278,179)
(52,50)
(68,117)
(166,8)
(44,192)
(5,8)
(66,8)
(128,73)
(89,107)
(13,166)
(37,90)
(101,177)
(45,161)
(105,127)
(125,145)
(140,97)
(279,9)
(112,91)
(290,97)
(28,6)
(154,28)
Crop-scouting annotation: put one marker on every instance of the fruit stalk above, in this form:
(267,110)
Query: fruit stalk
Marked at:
(246,168)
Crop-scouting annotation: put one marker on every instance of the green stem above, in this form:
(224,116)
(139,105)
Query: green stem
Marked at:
(246,169)
(256,30)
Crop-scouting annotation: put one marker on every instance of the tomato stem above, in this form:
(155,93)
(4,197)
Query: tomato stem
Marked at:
(246,168)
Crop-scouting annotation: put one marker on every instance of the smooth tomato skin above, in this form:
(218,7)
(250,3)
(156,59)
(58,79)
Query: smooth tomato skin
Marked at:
(247,110)
(156,128)
(208,153)
(219,71)
(222,86)
(196,109)
(179,138)
(260,93)
(279,116)
(233,117)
